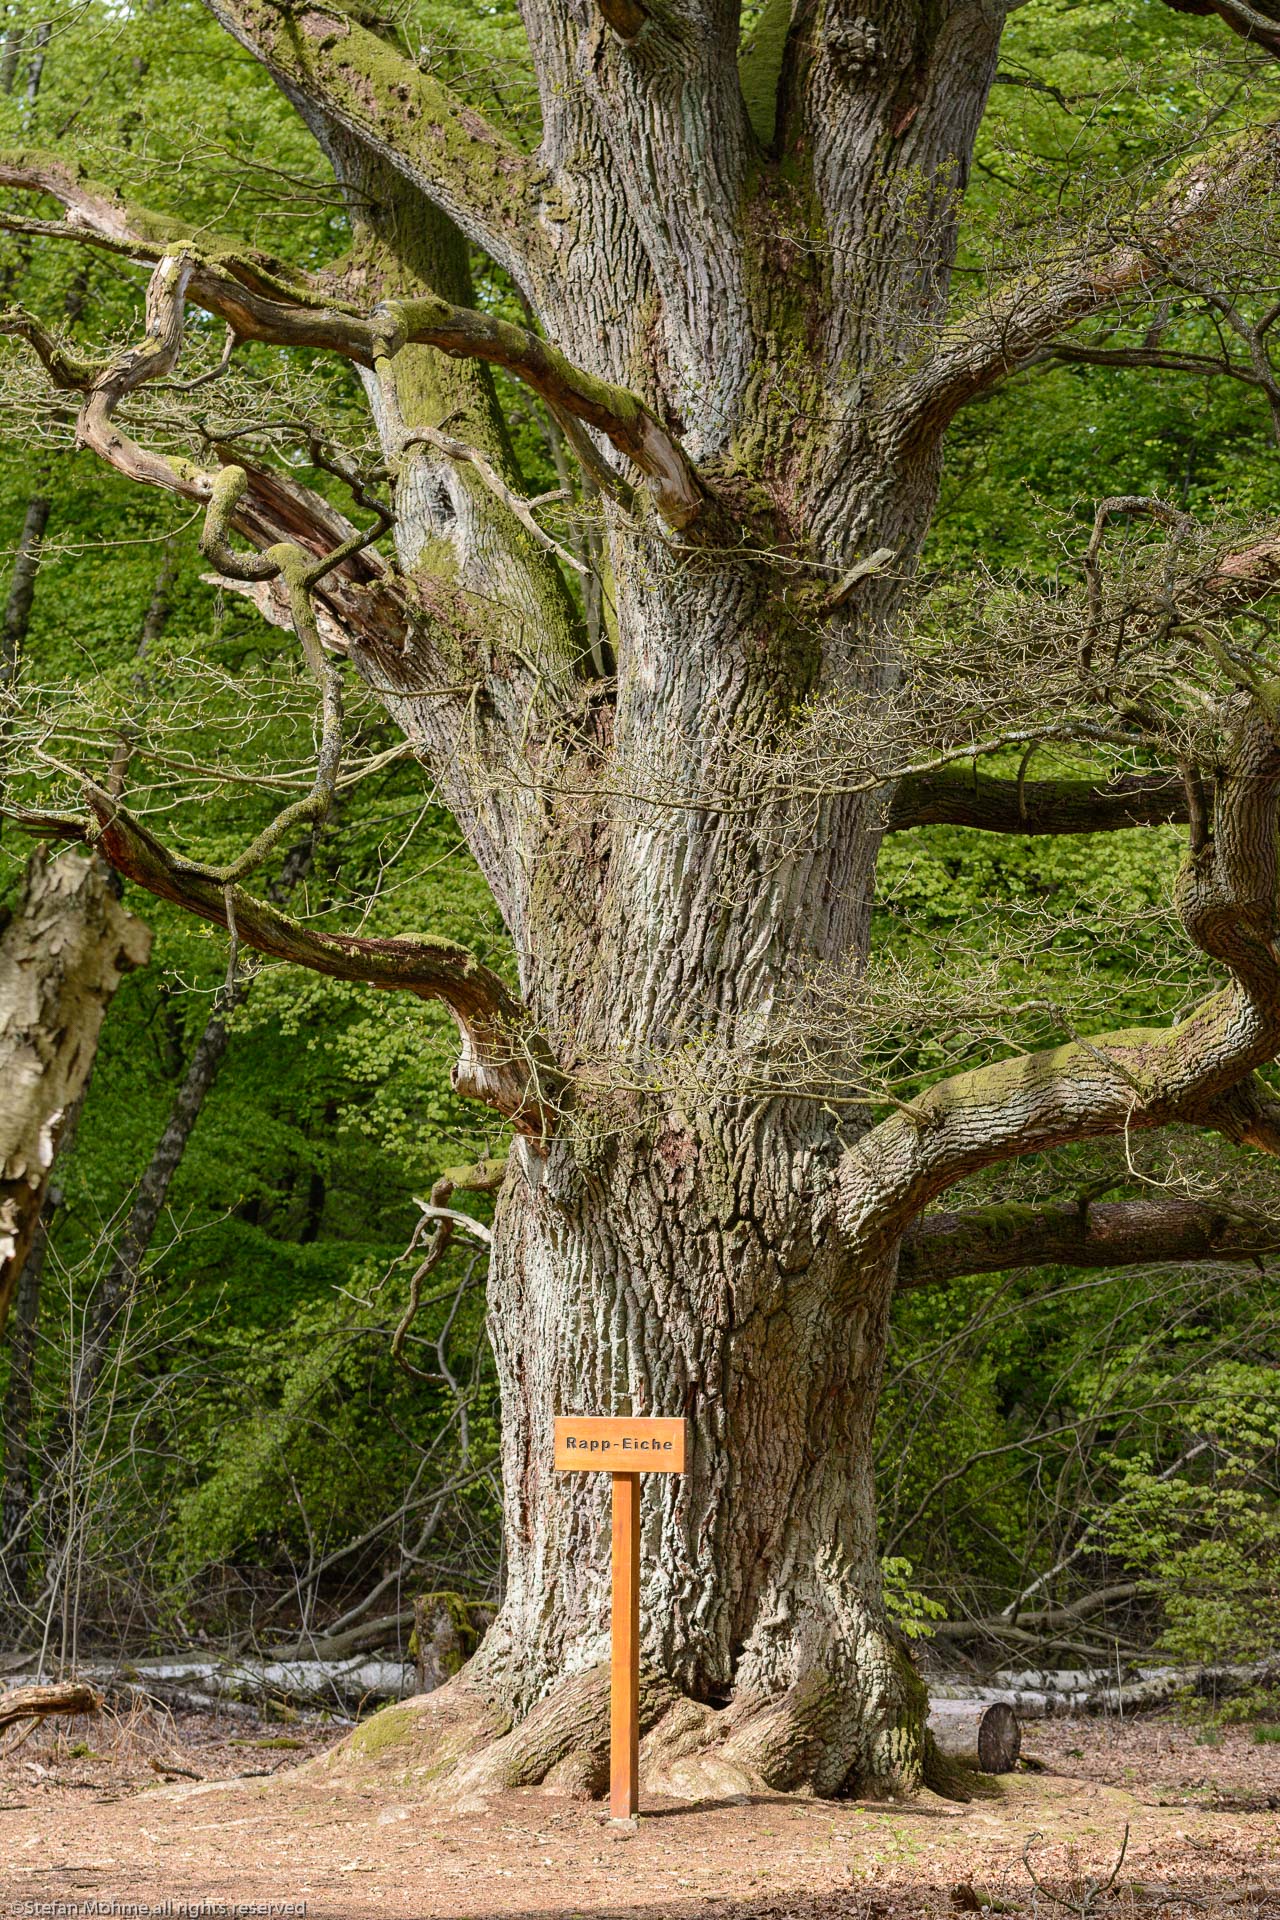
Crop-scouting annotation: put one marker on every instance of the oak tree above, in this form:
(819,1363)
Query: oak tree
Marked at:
(675,748)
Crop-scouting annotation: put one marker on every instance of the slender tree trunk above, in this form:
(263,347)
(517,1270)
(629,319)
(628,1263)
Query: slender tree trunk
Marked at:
(22,587)
(119,1285)
(16,1487)
(9,56)
(35,72)
(112,1302)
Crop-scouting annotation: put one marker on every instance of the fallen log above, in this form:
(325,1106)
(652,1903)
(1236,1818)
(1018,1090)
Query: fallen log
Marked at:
(35,1703)
(983,1734)
(337,1687)
(1044,1695)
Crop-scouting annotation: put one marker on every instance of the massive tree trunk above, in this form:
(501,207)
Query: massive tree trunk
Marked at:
(739,286)
(679,1271)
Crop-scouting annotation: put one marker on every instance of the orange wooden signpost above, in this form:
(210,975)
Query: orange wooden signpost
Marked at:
(625,1449)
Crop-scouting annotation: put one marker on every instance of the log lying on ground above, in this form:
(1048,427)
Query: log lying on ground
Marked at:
(36,1703)
(338,1687)
(1042,1695)
(445,1626)
(983,1734)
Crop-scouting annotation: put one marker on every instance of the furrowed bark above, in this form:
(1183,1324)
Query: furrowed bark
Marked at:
(942,1247)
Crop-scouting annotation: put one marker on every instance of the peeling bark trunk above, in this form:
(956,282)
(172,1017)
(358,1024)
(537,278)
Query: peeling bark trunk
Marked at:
(62,957)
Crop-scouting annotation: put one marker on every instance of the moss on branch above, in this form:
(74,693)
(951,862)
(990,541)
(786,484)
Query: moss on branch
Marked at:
(445,148)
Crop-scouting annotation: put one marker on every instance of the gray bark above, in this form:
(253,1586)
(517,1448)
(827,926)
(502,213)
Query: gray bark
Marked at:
(9,56)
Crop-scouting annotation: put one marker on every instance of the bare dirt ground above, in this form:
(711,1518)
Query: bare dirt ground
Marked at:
(104,1816)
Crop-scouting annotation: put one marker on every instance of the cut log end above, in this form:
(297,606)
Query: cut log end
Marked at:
(981,1734)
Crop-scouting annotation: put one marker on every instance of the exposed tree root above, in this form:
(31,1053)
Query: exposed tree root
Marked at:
(951,1778)
(457,1746)
(424,1741)
(564,1742)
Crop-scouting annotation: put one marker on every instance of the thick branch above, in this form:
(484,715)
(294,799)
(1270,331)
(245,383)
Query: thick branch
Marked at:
(958,797)
(1020,319)
(232,286)
(612,410)
(1128,1233)
(444,147)
(1257,24)
(1119,1082)
(502,1062)
(1157,358)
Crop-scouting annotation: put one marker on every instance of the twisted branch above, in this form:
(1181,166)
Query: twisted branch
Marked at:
(261,304)
(503,1061)
(1126,1081)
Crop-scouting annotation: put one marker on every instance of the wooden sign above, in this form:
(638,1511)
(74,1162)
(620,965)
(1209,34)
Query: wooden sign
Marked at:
(620,1446)
(625,1449)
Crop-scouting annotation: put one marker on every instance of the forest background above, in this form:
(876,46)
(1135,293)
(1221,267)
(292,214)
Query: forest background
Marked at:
(251,1464)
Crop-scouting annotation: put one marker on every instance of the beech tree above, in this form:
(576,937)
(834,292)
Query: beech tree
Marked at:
(734,263)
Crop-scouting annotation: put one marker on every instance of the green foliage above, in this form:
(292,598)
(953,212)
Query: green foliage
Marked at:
(1206,1541)
(911,1611)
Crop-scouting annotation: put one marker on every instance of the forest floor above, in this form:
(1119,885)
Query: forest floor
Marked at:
(203,1815)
